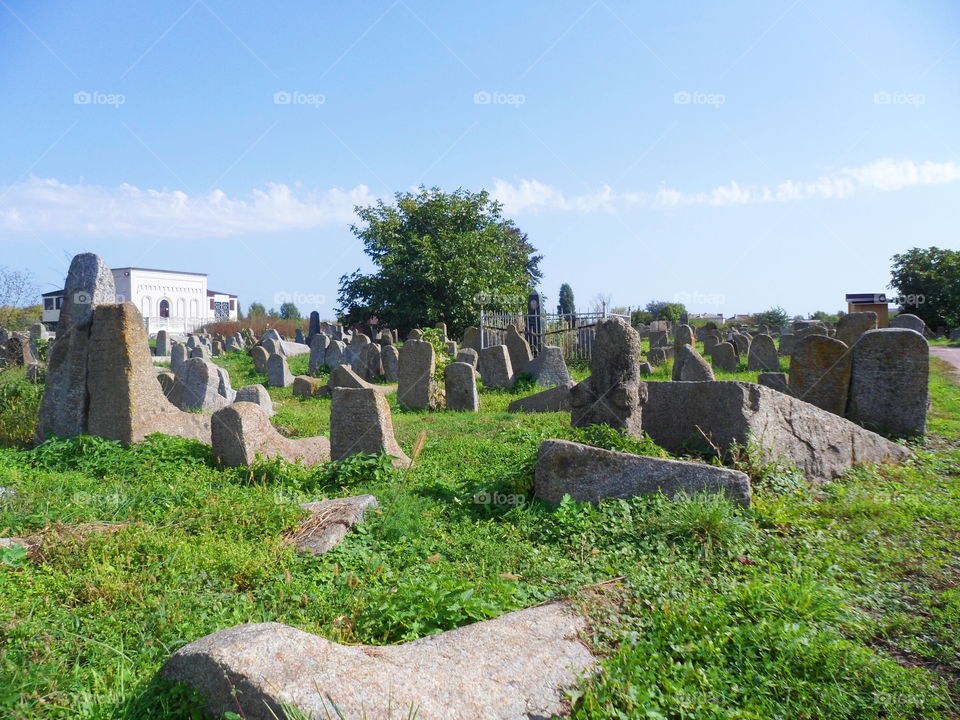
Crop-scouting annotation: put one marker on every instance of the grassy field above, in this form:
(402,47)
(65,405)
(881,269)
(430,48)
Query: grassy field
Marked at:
(839,601)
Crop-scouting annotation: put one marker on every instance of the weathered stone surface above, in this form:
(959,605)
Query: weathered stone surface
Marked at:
(787,341)
(343,377)
(659,355)
(549,368)
(163,343)
(273,347)
(361,422)
(496,370)
(166,380)
(271,334)
(318,351)
(775,381)
(65,403)
(763,354)
(417,388)
(852,325)
(821,444)
(741,342)
(658,338)
(810,329)
(590,474)
(126,401)
(306,387)
(682,335)
(334,354)
(519,349)
(888,382)
(314,327)
(278,372)
(693,367)
(260,357)
(710,341)
(460,380)
(371,362)
(242,431)
(471,339)
(908,322)
(390,357)
(199,387)
(614,394)
(19,352)
(415,334)
(329,523)
(556,399)
(820,372)
(515,667)
(300,337)
(292,349)
(469,355)
(179,354)
(725,357)
(201,352)
(258,395)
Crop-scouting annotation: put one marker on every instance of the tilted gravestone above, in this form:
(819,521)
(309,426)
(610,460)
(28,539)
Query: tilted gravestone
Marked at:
(390,358)
(888,382)
(495,368)
(820,369)
(852,325)
(242,431)
(260,356)
(614,394)
(258,395)
(417,389)
(549,368)
(199,387)
(278,372)
(693,367)
(460,381)
(371,362)
(519,349)
(741,342)
(725,357)
(682,335)
(763,354)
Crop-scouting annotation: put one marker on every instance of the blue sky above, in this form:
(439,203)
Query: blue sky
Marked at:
(735,155)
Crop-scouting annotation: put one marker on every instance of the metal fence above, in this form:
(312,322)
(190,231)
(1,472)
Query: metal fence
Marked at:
(573,333)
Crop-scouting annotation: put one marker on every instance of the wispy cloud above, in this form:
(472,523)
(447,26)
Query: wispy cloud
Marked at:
(47,206)
(886,175)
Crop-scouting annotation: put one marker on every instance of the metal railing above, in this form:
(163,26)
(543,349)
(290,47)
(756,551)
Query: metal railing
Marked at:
(574,332)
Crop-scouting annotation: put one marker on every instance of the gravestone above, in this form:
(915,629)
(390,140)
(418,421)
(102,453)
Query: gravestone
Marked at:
(469,355)
(318,351)
(556,399)
(179,354)
(360,422)
(202,352)
(495,368)
(549,367)
(334,354)
(278,372)
(852,325)
(442,327)
(693,367)
(272,346)
(888,382)
(260,357)
(216,348)
(390,358)
(18,351)
(810,329)
(646,368)
(416,389)
(775,381)
(787,342)
(450,347)
(271,334)
(163,343)
(725,357)
(415,334)
(242,431)
(741,342)
(614,394)
(763,354)
(909,322)
(306,387)
(198,386)
(820,369)
(314,326)
(299,337)
(471,339)
(519,349)
(658,338)
(461,387)
(682,335)
(371,362)
(166,380)
(710,341)
(659,355)
(258,395)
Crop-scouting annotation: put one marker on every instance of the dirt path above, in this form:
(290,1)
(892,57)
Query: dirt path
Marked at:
(950,354)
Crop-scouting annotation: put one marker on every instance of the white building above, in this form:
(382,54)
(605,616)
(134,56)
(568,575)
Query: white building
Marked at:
(176,301)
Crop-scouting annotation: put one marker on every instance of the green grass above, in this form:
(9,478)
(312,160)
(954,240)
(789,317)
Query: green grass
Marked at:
(839,601)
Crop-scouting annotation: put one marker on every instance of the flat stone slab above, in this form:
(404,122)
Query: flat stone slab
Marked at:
(242,431)
(678,415)
(515,667)
(590,474)
(330,522)
(556,399)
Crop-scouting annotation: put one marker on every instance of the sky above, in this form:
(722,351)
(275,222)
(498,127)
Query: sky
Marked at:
(731,155)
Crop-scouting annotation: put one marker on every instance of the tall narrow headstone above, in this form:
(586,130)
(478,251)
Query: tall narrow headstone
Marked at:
(820,369)
(461,387)
(416,389)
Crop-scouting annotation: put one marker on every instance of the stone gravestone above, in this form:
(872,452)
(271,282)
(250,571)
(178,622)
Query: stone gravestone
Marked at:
(888,382)
(390,357)
(198,386)
(549,367)
(271,334)
(658,338)
(442,327)
(258,395)
(763,354)
(278,373)
(820,372)
(495,368)
(682,335)
(471,339)
(787,341)
(519,349)
(710,341)
(908,321)
(460,381)
(314,326)
(775,381)
(299,337)
(334,354)
(852,325)
(371,362)
(416,389)
(63,410)
(202,352)
(260,357)
(360,422)
(318,351)
(659,355)
(163,343)
(468,355)
(415,334)
(179,354)
(614,394)
(742,343)
(725,357)
(694,367)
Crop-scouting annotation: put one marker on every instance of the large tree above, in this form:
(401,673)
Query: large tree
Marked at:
(663,310)
(774,318)
(439,256)
(289,311)
(928,282)
(566,305)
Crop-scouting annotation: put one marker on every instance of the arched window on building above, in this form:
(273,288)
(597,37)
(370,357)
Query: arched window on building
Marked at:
(164,308)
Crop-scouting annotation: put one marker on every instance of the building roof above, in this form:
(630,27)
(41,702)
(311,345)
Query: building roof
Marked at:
(52,293)
(866,298)
(171,272)
(211,293)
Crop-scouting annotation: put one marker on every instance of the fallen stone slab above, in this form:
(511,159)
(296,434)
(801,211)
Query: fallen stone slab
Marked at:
(342,376)
(292,349)
(242,431)
(306,387)
(684,415)
(515,667)
(556,399)
(590,474)
(329,522)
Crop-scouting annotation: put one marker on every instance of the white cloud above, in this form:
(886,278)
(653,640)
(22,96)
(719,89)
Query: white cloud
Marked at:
(886,175)
(49,206)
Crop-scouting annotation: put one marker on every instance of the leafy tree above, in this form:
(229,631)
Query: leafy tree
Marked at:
(663,310)
(256,310)
(638,317)
(440,256)
(774,317)
(289,311)
(566,306)
(824,316)
(928,282)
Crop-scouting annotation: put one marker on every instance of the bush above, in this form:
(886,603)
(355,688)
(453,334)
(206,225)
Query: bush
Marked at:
(19,408)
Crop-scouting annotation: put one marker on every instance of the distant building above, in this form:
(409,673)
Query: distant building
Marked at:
(168,300)
(864,302)
(708,317)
